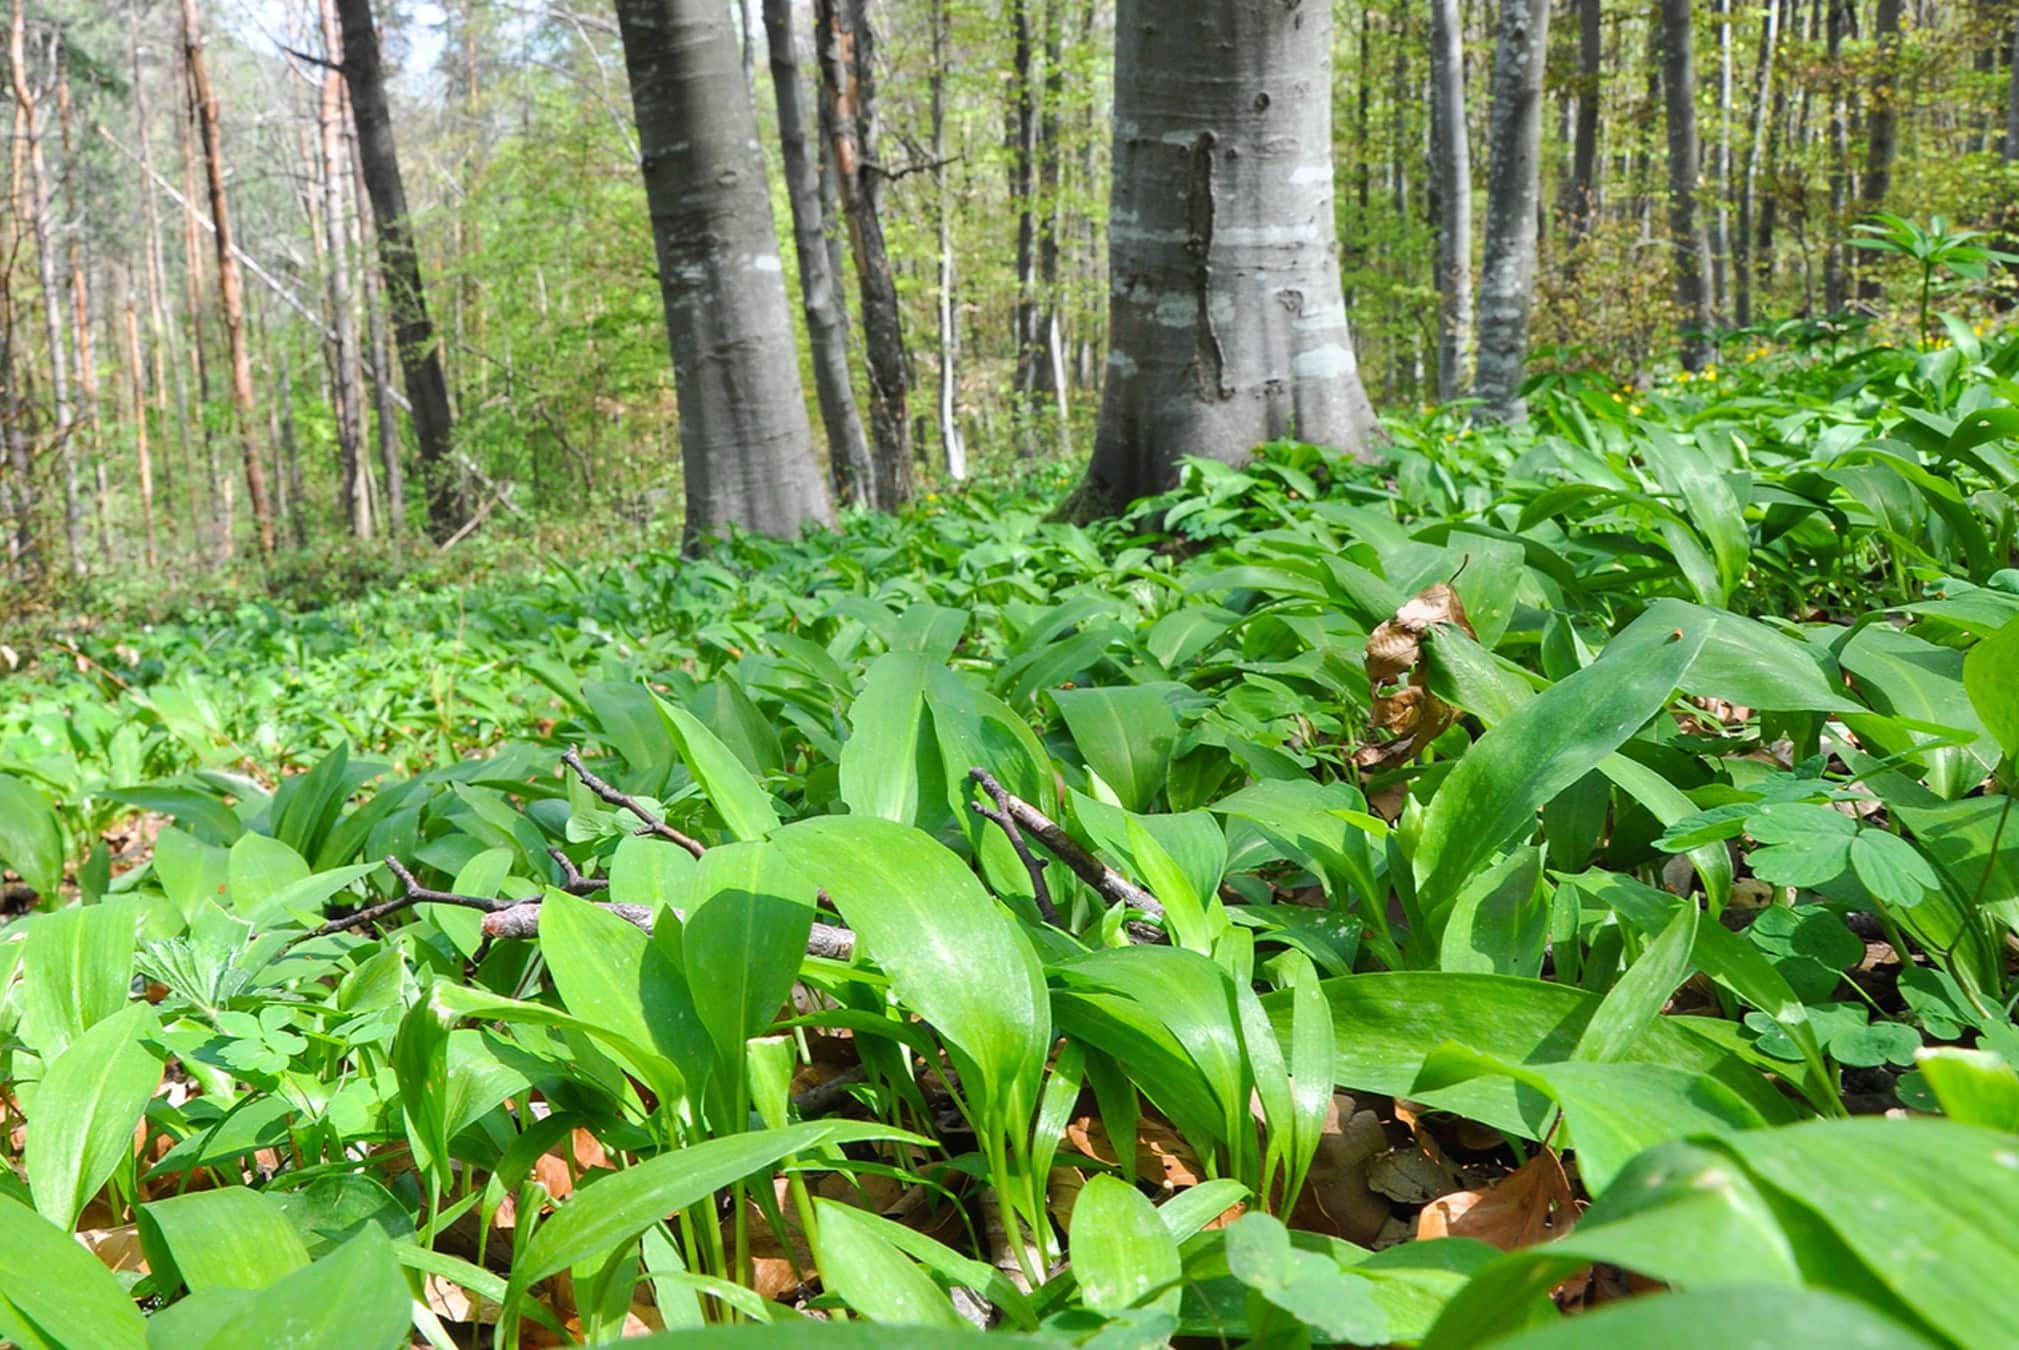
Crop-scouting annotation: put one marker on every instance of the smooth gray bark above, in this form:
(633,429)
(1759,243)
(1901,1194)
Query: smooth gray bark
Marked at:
(952,443)
(1721,219)
(1513,188)
(1451,173)
(745,443)
(346,391)
(1226,323)
(1835,25)
(1688,243)
(819,286)
(1881,128)
(1742,265)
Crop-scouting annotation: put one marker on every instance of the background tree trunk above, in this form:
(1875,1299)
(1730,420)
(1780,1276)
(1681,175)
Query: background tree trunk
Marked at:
(217,482)
(1584,154)
(1743,244)
(846,45)
(950,438)
(1226,323)
(413,334)
(819,287)
(136,373)
(346,397)
(230,290)
(1881,130)
(1513,188)
(1023,150)
(744,438)
(1840,155)
(1690,248)
(1451,164)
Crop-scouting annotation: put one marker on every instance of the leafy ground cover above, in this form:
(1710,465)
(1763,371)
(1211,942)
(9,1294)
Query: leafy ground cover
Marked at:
(1564,868)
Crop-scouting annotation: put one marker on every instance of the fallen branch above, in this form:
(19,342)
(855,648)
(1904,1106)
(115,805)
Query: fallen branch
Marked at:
(1110,884)
(414,894)
(522,920)
(654,824)
(1034,865)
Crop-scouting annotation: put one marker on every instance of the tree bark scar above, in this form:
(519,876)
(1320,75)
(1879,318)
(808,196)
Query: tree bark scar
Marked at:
(1209,359)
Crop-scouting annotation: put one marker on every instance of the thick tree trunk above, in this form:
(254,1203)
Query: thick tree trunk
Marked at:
(1513,188)
(136,374)
(230,290)
(346,395)
(1451,169)
(1881,128)
(1743,243)
(399,264)
(1226,323)
(378,353)
(37,205)
(1584,154)
(820,290)
(744,439)
(951,441)
(1687,242)
(846,45)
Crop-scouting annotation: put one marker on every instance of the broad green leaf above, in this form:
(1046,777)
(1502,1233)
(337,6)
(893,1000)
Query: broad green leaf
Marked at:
(1750,663)
(1123,1255)
(1974,1087)
(737,797)
(80,1129)
(206,817)
(1916,681)
(1638,996)
(879,761)
(262,869)
(1991,678)
(1763,1317)
(1539,750)
(614,977)
(54,1294)
(743,942)
(1126,733)
(953,955)
(876,1279)
(1892,869)
(650,872)
(233,1238)
(31,841)
(76,971)
(353,1299)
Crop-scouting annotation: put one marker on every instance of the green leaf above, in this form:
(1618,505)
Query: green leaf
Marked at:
(1540,749)
(353,1299)
(876,1279)
(1973,1087)
(1990,677)
(81,1126)
(206,817)
(234,1238)
(31,841)
(1123,1255)
(1892,869)
(76,971)
(54,1294)
(879,761)
(1125,734)
(737,797)
(1761,1317)
(262,869)
(743,942)
(1638,996)
(615,978)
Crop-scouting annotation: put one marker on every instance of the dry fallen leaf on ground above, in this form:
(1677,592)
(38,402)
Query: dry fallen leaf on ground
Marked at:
(1406,710)
(1531,1204)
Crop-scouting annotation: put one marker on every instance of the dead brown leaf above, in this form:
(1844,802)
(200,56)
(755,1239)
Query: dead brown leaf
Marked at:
(1405,709)
(118,1248)
(1161,1156)
(1531,1204)
(1336,1199)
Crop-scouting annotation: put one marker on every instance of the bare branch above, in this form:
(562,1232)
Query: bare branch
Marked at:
(1112,885)
(654,823)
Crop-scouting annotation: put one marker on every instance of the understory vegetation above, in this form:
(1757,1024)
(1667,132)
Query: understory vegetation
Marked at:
(1560,868)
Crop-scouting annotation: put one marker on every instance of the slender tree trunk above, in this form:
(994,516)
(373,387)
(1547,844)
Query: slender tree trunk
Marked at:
(820,291)
(378,347)
(52,294)
(1451,166)
(22,551)
(1840,156)
(346,397)
(1023,193)
(950,438)
(1584,179)
(744,437)
(848,108)
(161,335)
(1721,219)
(80,310)
(1881,128)
(287,459)
(1513,190)
(231,297)
(1050,375)
(1226,323)
(136,373)
(2011,148)
(1743,265)
(399,264)
(1687,242)
(217,482)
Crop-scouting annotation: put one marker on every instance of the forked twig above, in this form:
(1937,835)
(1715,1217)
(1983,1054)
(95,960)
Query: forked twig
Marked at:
(654,824)
(1111,885)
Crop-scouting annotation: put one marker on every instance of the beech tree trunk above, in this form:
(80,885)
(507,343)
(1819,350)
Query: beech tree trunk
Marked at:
(218,483)
(399,264)
(1049,377)
(1451,167)
(1687,241)
(744,439)
(1226,323)
(346,397)
(820,293)
(1023,192)
(846,44)
(80,310)
(230,290)
(1513,191)
(161,334)
(136,374)
(1881,129)
(1721,219)
(952,443)
(1840,153)
(52,295)
(378,356)
(1743,245)
(1584,152)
